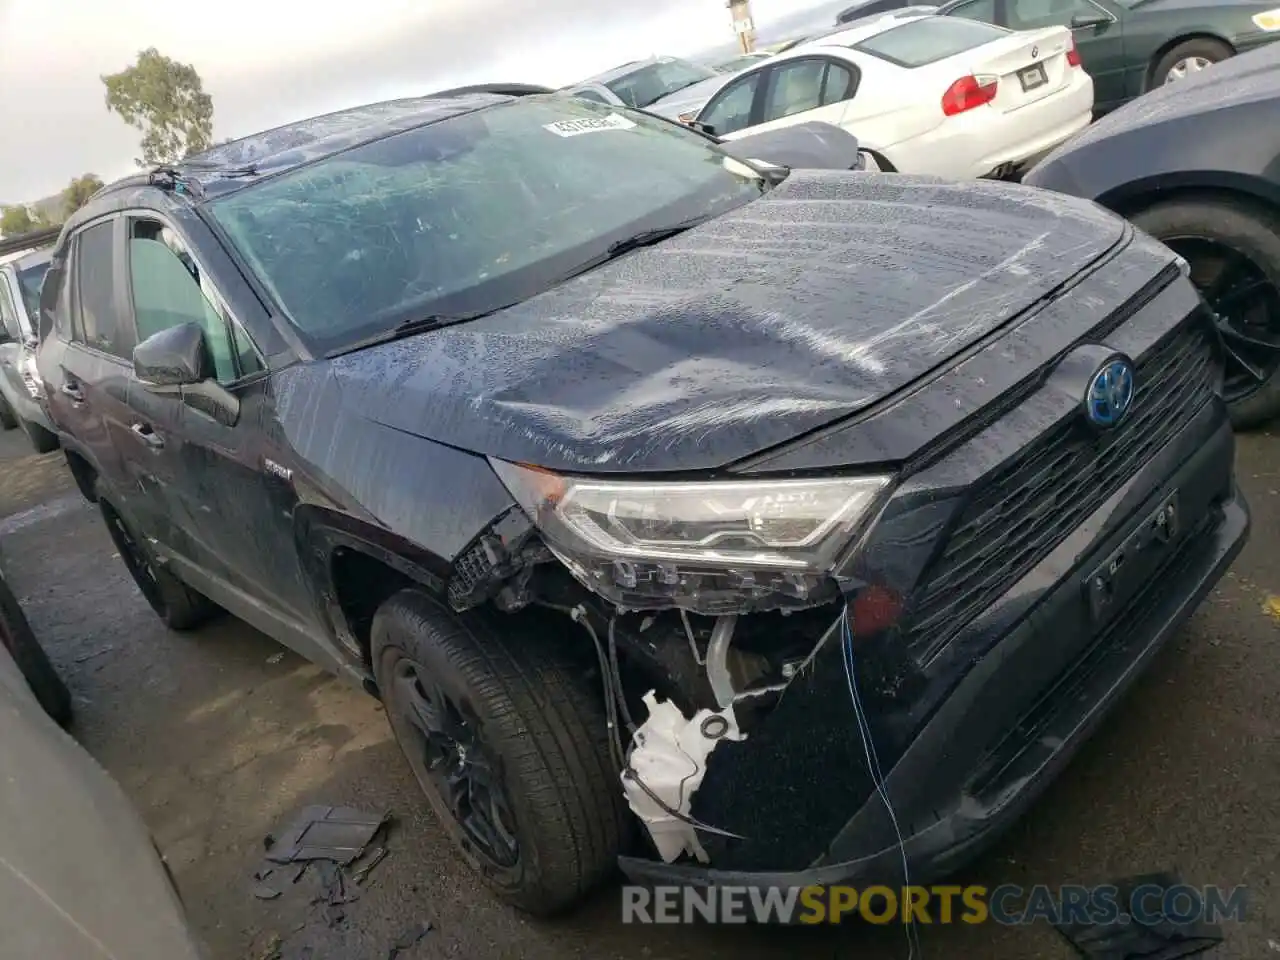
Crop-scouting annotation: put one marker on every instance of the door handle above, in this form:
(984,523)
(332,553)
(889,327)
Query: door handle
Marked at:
(72,391)
(147,435)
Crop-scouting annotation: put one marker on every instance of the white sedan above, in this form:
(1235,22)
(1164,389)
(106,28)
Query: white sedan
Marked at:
(926,94)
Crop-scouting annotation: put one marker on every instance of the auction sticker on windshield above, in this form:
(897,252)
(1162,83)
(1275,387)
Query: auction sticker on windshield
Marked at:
(571,128)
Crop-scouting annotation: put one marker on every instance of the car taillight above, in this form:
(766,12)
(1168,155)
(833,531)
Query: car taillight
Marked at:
(967,93)
(1073,55)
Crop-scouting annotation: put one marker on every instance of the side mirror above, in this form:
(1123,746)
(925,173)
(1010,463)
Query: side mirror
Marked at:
(706,128)
(1082,20)
(176,357)
(178,361)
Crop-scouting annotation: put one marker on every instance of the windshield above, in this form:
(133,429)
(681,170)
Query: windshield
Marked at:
(29,281)
(471,213)
(921,42)
(659,79)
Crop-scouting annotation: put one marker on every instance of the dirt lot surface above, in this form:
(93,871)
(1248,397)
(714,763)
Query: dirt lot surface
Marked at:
(219,737)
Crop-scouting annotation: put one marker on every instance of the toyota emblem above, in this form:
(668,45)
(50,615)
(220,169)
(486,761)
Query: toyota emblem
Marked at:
(1035,52)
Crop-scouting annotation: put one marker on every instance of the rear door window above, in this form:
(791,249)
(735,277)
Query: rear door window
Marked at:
(922,42)
(798,86)
(97,322)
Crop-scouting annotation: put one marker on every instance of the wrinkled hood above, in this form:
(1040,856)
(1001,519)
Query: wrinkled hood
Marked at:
(690,99)
(827,294)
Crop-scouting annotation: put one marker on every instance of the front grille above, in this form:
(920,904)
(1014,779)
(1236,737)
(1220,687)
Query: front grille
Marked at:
(1017,517)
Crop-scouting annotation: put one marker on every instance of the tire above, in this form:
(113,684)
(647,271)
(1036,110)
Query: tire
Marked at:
(31,659)
(1206,48)
(1246,228)
(175,603)
(537,723)
(7,420)
(41,439)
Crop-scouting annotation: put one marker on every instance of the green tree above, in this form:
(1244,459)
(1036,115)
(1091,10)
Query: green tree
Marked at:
(16,220)
(166,101)
(78,192)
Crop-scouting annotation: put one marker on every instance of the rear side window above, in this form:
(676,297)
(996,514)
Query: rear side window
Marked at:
(97,324)
(984,10)
(922,42)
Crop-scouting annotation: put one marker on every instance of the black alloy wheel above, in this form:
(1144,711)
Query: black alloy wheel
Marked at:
(137,562)
(441,737)
(180,607)
(1232,246)
(1246,306)
(504,730)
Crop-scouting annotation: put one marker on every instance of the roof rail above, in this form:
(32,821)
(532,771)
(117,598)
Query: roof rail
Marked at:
(30,241)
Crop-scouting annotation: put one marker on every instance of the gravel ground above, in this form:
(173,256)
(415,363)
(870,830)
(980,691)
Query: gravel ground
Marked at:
(220,736)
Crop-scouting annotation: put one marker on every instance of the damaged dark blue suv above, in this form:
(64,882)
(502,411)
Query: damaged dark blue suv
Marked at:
(516,410)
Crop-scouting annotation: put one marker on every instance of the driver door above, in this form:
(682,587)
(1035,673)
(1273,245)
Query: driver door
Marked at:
(200,472)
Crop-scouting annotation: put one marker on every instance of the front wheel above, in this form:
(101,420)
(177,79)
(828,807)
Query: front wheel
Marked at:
(508,744)
(1233,249)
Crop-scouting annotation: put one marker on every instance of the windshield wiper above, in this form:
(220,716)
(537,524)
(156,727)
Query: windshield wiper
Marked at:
(412,326)
(647,238)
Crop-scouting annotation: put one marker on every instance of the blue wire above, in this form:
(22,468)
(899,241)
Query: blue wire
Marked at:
(873,764)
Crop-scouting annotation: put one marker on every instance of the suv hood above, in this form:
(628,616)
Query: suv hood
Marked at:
(826,295)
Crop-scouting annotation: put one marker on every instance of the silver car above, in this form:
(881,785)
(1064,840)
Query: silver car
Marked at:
(668,86)
(21,390)
(79,875)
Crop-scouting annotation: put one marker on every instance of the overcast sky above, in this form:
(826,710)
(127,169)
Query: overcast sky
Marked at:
(266,62)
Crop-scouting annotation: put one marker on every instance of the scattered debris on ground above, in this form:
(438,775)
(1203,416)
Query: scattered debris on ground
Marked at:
(339,834)
(344,844)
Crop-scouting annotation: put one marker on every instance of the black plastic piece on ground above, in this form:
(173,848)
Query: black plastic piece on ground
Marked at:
(1127,939)
(339,834)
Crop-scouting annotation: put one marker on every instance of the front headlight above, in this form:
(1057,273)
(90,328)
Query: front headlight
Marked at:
(712,547)
(1268,20)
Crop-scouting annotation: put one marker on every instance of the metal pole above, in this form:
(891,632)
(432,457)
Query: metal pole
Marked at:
(743,24)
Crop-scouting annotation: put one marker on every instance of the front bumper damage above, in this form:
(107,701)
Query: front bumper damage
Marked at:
(797,789)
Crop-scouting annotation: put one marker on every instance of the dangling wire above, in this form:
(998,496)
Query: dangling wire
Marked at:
(873,765)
